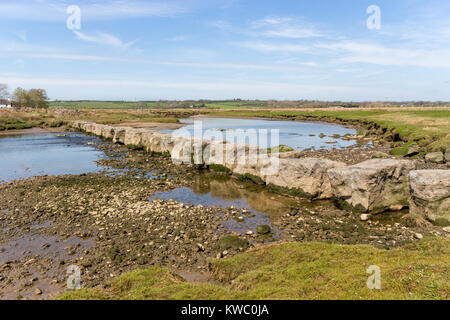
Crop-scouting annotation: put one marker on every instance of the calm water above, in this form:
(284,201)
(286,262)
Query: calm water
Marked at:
(224,192)
(29,155)
(298,135)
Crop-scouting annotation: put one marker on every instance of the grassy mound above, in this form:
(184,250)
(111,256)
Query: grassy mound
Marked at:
(299,271)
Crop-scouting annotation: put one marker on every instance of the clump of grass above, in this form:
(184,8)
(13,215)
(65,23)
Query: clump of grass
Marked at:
(279,149)
(299,271)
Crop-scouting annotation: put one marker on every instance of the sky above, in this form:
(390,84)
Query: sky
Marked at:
(210,49)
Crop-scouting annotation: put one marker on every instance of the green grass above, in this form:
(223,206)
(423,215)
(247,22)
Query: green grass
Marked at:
(298,271)
(104,105)
(11,120)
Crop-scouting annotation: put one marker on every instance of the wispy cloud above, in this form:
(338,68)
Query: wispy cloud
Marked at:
(372,53)
(104,39)
(285,27)
(278,67)
(52,10)
(271,47)
(273,27)
(178,38)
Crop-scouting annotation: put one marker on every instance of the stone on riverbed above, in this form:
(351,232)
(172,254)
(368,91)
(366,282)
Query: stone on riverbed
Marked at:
(375,185)
(263,229)
(133,137)
(435,157)
(119,135)
(430,195)
(306,177)
(107,132)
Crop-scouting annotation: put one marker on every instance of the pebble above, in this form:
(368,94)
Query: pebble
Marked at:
(418,236)
(37,291)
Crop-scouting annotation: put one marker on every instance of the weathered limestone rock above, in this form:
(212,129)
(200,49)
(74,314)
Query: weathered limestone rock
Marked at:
(97,129)
(380,155)
(413,150)
(88,127)
(77,124)
(305,177)
(119,135)
(133,137)
(435,157)
(430,194)
(230,155)
(375,185)
(447,155)
(107,132)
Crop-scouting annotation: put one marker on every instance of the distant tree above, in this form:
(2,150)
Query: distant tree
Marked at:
(20,97)
(37,98)
(4,94)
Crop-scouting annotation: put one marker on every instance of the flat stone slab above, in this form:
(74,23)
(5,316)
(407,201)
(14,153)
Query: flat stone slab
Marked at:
(306,177)
(430,194)
(375,185)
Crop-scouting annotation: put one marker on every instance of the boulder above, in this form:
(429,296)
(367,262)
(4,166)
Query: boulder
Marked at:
(380,155)
(97,129)
(447,155)
(306,177)
(430,194)
(107,132)
(375,185)
(119,135)
(263,229)
(133,137)
(413,149)
(435,157)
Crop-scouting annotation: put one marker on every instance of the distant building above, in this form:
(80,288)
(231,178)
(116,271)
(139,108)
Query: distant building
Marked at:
(5,104)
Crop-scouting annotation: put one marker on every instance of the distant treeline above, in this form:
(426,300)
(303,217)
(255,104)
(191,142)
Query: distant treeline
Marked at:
(21,98)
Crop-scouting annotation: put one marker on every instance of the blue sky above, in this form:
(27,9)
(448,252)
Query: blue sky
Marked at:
(192,49)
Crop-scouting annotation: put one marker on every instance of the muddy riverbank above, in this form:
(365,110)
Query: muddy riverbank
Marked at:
(108,223)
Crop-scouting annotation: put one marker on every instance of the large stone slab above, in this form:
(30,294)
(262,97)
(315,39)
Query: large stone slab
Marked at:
(375,185)
(157,142)
(306,177)
(107,132)
(119,135)
(133,137)
(430,195)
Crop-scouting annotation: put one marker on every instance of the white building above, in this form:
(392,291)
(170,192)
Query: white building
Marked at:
(5,103)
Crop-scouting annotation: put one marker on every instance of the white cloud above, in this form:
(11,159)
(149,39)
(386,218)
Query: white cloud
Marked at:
(371,53)
(52,10)
(271,47)
(178,38)
(190,89)
(103,39)
(285,27)
(273,27)
(294,67)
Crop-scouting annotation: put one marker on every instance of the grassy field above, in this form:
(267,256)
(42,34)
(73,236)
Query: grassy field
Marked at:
(10,120)
(18,120)
(298,271)
(118,116)
(104,105)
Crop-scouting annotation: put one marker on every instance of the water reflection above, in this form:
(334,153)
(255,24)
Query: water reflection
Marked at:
(261,206)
